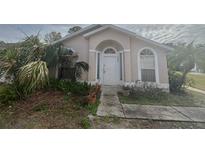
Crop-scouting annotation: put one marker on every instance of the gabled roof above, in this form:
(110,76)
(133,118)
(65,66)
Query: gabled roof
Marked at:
(83,30)
(93,29)
(104,27)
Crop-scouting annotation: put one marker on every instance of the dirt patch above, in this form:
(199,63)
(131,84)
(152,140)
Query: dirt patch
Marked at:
(49,109)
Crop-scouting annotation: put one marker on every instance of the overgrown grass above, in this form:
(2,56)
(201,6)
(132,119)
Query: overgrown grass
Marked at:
(187,99)
(199,80)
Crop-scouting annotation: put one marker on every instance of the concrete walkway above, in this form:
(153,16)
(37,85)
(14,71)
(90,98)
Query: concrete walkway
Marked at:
(111,106)
(196,90)
(171,113)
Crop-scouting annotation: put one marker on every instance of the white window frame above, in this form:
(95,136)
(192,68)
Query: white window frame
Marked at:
(156,63)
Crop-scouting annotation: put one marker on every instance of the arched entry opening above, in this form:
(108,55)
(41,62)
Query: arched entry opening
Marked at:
(109,61)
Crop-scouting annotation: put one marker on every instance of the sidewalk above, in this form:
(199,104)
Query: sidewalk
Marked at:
(196,90)
(110,106)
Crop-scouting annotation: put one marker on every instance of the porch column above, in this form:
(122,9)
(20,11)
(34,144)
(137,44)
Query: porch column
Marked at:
(127,65)
(92,66)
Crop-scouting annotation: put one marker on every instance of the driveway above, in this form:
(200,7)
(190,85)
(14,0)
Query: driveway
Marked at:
(111,106)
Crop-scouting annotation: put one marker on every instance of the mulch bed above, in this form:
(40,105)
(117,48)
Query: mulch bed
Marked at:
(47,109)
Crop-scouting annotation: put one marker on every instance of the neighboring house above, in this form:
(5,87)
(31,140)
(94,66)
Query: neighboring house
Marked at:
(117,56)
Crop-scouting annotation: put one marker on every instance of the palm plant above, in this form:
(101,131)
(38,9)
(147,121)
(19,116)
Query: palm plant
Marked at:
(24,64)
(66,61)
(70,67)
(8,61)
(34,75)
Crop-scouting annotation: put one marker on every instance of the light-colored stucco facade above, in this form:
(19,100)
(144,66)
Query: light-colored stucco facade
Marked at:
(88,44)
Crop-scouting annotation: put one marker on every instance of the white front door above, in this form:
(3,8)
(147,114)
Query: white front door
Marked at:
(110,70)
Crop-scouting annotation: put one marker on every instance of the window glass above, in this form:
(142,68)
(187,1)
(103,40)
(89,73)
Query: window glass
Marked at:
(109,51)
(147,62)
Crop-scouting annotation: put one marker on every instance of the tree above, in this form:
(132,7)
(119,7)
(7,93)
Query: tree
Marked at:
(183,60)
(53,36)
(200,58)
(74,29)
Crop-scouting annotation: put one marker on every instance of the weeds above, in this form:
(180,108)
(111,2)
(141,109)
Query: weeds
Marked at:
(86,123)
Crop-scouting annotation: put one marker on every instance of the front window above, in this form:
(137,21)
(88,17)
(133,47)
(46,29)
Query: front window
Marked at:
(147,62)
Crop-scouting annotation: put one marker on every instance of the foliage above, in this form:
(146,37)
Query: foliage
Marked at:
(183,59)
(57,56)
(93,107)
(200,56)
(23,64)
(8,93)
(53,36)
(76,88)
(69,66)
(177,82)
(188,99)
(53,53)
(74,29)
(8,61)
(33,76)
(86,123)
(145,90)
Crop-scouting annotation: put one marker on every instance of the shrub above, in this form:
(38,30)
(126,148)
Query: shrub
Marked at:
(177,82)
(79,88)
(146,90)
(8,93)
(76,88)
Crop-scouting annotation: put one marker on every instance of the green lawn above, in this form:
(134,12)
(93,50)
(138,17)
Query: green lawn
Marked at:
(189,99)
(199,80)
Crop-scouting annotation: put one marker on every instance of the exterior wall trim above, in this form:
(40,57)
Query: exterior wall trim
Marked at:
(127,50)
(92,50)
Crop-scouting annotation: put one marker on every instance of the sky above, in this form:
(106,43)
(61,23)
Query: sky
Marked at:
(159,33)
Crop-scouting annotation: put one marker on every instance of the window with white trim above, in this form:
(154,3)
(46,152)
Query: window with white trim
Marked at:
(147,62)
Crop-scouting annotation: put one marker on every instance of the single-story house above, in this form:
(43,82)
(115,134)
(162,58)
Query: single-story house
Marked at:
(117,56)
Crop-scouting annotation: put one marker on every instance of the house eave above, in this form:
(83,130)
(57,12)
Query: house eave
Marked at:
(109,26)
(69,36)
(106,26)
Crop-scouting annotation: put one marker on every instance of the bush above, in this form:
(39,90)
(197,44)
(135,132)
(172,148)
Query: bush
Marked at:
(8,93)
(76,88)
(177,82)
(145,90)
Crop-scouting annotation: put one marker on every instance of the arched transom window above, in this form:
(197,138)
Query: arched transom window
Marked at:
(147,65)
(109,51)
